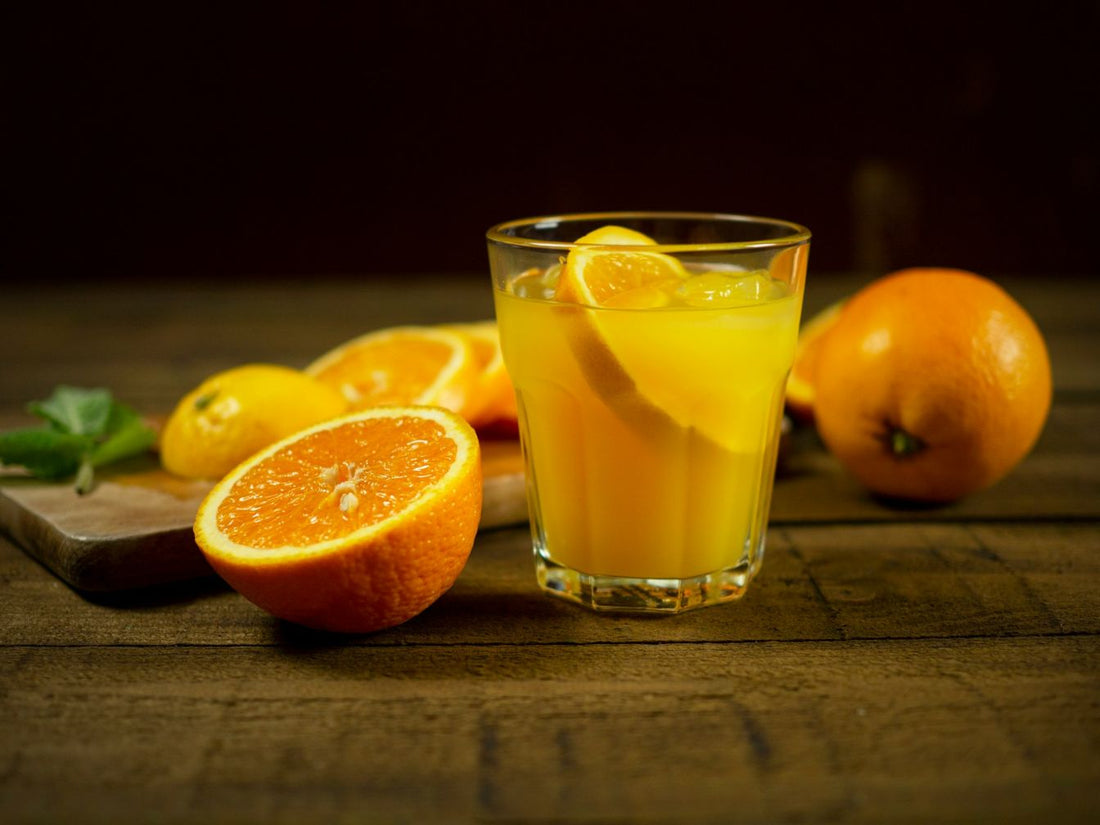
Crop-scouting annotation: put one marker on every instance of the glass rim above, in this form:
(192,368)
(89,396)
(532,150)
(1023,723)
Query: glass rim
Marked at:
(798,234)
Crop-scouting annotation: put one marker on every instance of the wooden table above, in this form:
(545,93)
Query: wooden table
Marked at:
(920,665)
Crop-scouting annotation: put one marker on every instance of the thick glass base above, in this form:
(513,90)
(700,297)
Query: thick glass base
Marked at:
(630,595)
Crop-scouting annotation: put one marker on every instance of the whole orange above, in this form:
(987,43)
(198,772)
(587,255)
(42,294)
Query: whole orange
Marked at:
(931,385)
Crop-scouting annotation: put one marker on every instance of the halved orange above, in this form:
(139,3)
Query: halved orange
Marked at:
(417,365)
(353,525)
(800,382)
(492,400)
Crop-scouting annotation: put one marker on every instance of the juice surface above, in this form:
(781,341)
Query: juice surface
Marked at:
(650,434)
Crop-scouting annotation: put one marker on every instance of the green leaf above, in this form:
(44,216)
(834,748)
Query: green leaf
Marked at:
(85,428)
(75,410)
(119,418)
(129,436)
(85,478)
(44,452)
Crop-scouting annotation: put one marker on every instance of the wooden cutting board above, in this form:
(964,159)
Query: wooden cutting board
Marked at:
(135,528)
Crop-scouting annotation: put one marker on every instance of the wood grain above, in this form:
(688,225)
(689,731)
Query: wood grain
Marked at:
(819,583)
(776,731)
(889,665)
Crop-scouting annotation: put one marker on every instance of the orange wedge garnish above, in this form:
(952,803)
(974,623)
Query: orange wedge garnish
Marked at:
(600,272)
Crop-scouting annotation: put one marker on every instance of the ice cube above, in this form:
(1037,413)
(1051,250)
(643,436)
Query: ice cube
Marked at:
(729,289)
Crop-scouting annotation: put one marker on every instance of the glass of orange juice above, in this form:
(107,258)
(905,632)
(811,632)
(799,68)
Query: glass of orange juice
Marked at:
(649,352)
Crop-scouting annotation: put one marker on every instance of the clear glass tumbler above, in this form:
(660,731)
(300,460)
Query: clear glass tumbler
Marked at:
(650,353)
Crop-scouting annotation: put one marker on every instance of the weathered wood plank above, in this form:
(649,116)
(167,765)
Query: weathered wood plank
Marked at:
(870,731)
(937,580)
(818,582)
(923,665)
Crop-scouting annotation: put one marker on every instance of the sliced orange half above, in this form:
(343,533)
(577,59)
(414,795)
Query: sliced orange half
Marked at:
(353,525)
(492,400)
(800,382)
(401,365)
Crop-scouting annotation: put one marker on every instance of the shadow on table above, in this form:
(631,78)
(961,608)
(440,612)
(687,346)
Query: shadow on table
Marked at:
(456,618)
(159,595)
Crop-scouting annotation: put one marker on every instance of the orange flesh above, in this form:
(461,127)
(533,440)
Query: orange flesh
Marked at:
(322,488)
(483,348)
(805,363)
(402,368)
(621,272)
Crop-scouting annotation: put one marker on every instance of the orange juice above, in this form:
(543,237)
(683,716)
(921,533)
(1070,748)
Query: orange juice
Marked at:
(650,421)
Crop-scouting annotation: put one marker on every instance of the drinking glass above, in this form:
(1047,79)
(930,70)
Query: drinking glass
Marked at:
(649,353)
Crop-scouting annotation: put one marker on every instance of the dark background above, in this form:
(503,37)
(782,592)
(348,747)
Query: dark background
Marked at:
(194,142)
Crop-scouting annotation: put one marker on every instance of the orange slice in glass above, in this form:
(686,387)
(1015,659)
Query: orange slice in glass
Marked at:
(611,270)
(668,369)
(598,276)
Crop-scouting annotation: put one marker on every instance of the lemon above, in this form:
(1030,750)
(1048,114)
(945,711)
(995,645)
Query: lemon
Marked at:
(235,413)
